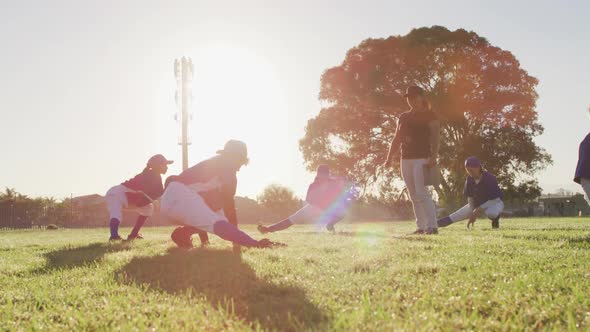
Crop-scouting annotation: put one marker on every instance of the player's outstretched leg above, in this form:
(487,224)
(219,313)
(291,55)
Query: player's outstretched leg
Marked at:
(182,236)
(281,225)
(135,231)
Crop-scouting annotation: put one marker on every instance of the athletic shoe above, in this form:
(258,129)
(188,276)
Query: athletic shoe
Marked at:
(136,237)
(115,238)
(182,237)
(496,223)
(417,232)
(331,228)
(432,231)
(262,229)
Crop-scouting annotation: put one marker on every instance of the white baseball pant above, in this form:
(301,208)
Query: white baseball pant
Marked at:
(117,202)
(491,208)
(182,204)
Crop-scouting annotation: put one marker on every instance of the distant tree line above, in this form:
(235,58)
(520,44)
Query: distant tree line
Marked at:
(276,202)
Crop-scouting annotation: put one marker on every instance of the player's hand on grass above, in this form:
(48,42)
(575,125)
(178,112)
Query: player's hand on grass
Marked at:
(471,222)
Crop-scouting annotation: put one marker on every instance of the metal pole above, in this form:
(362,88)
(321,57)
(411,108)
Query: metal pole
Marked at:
(184,113)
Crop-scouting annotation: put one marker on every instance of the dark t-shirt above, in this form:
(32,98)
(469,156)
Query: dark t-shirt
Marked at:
(415,134)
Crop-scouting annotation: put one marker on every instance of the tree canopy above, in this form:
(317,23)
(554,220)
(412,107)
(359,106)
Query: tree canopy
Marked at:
(486,102)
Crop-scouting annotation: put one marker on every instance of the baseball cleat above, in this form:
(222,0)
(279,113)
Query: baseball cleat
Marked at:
(115,238)
(331,228)
(496,223)
(136,237)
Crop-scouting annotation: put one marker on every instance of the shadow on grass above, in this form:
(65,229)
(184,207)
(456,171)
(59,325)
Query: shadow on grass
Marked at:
(227,283)
(71,257)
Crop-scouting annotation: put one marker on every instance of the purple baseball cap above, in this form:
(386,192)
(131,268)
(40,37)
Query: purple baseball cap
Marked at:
(472,162)
(159,160)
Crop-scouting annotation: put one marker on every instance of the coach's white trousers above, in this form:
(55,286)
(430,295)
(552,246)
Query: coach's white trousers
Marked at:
(491,208)
(117,201)
(424,208)
(182,205)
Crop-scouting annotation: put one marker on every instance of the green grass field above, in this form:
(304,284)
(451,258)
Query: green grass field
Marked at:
(532,274)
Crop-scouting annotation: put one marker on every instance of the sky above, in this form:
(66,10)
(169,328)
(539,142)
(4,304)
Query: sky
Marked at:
(87,87)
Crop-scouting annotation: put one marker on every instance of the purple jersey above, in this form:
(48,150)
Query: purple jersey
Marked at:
(147,181)
(487,189)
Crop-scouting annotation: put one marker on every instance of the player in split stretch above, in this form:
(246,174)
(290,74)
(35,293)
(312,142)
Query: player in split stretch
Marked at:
(483,195)
(326,203)
(202,199)
(137,194)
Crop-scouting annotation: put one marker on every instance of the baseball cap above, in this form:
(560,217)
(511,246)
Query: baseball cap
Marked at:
(235,148)
(414,90)
(472,162)
(159,160)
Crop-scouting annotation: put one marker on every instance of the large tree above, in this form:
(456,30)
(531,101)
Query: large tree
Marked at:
(485,100)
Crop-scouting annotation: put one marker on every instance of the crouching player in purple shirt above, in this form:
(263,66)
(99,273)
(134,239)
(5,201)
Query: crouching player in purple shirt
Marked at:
(137,194)
(327,201)
(483,195)
(202,199)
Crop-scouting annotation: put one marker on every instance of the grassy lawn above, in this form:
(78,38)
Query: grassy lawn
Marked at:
(532,274)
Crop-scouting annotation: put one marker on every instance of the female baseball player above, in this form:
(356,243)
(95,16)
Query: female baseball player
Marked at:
(202,199)
(327,201)
(417,135)
(582,175)
(483,195)
(137,194)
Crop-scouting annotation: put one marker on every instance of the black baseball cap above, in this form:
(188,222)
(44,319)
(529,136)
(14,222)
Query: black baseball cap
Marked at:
(414,90)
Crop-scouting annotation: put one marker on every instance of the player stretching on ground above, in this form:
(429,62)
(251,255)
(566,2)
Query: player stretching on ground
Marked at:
(137,194)
(327,201)
(483,195)
(202,199)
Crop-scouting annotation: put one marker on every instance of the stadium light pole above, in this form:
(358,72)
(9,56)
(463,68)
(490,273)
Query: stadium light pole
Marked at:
(183,72)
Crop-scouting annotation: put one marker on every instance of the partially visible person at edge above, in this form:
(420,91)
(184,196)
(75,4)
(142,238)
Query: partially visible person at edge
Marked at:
(201,199)
(137,194)
(582,175)
(417,136)
(483,195)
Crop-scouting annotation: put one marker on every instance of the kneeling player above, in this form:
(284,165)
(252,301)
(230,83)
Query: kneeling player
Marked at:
(326,203)
(483,195)
(137,194)
(202,199)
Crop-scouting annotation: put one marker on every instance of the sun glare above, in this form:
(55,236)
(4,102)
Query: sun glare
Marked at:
(236,92)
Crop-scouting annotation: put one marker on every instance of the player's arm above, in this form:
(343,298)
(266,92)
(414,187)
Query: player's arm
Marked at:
(434,127)
(395,143)
(228,192)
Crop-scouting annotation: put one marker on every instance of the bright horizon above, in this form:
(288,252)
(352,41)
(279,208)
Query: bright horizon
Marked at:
(87,90)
